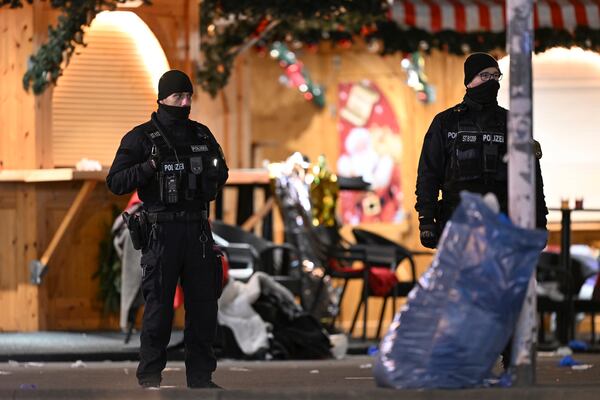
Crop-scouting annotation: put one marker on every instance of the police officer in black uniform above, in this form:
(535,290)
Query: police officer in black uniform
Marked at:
(177,167)
(464,149)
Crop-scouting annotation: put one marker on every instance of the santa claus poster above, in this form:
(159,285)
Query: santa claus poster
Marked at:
(371,148)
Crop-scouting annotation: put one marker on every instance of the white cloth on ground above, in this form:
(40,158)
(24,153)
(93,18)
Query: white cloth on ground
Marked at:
(236,312)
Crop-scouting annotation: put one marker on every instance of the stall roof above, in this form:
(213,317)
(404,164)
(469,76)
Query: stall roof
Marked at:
(469,16)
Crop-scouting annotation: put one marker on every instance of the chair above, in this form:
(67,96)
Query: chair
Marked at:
(398,255)
(277,260)
(242,257)
(338,256)
(569,282)
(321,249)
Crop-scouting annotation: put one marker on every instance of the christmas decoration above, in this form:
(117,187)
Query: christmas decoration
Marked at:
(340,22)
(227,28)
(296,74)
(324,189)
(370,148)
(416,78)
(239,22)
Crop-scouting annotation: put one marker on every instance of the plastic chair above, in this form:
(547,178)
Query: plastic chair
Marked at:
(398,254)
(277,260)
(339,256)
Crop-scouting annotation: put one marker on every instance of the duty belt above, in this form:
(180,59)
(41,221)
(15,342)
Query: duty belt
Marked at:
(170,216)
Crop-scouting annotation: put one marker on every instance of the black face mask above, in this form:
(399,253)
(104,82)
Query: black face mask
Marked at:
(486,93)
(178,113)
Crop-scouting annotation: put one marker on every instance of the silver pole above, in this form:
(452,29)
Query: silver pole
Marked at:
(521,173)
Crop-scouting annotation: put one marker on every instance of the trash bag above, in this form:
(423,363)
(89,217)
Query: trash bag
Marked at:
(461,315)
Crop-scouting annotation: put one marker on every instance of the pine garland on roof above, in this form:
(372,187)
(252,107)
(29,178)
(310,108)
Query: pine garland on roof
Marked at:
(228,27)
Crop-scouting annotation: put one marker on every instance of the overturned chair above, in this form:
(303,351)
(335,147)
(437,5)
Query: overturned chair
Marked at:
(255,253)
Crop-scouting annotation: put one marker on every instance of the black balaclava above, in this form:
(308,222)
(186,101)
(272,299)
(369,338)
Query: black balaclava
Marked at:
(487,92)
(174,81)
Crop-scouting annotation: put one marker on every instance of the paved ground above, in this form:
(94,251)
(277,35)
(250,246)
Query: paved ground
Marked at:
(331,379)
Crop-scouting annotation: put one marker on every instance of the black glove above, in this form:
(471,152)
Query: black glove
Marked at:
(429,232)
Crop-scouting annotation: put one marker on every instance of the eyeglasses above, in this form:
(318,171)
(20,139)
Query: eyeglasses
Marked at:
(486,76)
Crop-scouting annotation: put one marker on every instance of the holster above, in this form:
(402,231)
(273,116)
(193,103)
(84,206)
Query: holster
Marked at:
(138,226)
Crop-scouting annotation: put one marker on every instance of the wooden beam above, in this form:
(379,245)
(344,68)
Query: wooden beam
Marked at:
(251,222)
(86,189)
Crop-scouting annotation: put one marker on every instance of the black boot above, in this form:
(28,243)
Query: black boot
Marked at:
(149,383)
(203,385)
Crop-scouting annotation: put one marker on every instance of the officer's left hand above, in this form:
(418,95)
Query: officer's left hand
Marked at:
(428,232)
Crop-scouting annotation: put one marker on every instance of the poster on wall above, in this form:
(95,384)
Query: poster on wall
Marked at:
(371,148)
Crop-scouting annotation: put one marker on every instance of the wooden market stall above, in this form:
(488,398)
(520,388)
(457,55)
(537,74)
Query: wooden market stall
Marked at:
(50,211)
(53,213)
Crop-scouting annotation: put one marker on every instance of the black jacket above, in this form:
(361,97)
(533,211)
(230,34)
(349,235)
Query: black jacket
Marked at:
(131,169)
(437,166)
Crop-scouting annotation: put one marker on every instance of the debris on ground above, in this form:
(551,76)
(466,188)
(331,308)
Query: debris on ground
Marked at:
(239,369)
(78,364)
(568,361)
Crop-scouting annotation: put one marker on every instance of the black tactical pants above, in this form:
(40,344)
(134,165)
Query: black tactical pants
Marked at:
(179,250)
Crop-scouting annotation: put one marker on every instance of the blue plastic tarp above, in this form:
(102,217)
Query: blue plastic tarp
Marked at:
(462,314)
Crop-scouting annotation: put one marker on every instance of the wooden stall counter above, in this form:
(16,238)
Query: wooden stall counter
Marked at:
(53,222)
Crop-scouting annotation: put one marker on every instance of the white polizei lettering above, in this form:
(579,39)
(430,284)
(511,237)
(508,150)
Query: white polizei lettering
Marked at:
(487,137)
(498,139)
(451,135)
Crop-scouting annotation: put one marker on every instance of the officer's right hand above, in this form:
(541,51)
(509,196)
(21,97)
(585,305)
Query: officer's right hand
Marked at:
(429,232)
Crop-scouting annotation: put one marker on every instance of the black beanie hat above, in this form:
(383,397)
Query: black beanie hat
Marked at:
(173,81)
(476,63)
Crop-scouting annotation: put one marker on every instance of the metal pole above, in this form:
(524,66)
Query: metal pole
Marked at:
(567,329)
(521,172)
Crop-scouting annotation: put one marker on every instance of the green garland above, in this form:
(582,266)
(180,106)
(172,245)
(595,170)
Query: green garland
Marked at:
(45,67)
(296,74)
(227,27)
(109,269)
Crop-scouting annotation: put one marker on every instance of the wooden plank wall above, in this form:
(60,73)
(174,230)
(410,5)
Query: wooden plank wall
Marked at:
(24,143)
(24,118)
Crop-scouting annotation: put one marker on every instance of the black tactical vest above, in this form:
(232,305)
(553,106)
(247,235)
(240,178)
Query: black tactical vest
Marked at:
(476,154)
(186,172)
